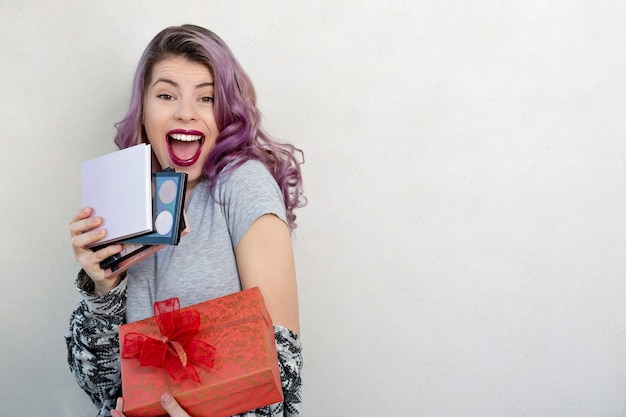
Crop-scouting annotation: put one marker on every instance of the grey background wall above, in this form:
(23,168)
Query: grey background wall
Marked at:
(462,253)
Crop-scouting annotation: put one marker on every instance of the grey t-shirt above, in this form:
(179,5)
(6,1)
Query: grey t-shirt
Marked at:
(203,266)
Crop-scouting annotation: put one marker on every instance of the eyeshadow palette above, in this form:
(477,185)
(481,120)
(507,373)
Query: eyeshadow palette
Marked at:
(128,250)
(122,264)
(169,223)
(168,202)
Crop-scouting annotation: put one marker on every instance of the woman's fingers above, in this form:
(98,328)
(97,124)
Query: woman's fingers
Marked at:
(80,241)
(78,219)
(167,401)
(79,226)
(83,213)
(84,233)
(171,406)
(82,229)
(90,261)
(119,408)
(89,257)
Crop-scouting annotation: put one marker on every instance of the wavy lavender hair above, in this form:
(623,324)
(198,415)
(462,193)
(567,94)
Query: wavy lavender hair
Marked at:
(238,119)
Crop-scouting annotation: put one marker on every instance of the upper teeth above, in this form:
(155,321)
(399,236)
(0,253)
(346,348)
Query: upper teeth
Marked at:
(185,138)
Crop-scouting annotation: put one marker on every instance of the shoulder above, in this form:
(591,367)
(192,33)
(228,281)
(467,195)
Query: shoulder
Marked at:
(246,192)
(247,171)
(250,178)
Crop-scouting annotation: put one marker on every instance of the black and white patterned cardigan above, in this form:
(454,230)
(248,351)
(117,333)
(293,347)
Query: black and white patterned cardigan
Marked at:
(93,353)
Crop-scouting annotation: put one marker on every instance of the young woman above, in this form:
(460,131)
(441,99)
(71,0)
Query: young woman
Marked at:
(194,104)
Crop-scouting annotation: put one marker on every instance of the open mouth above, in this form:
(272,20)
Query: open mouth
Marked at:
(184,147)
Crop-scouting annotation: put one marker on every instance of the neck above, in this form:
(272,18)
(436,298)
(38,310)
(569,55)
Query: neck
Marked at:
(190,186)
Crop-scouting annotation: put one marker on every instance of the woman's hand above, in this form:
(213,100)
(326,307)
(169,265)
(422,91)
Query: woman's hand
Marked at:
(83,234)
(167,402)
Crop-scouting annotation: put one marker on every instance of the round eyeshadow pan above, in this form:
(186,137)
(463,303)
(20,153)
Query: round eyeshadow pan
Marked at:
(167,191)
(164,222)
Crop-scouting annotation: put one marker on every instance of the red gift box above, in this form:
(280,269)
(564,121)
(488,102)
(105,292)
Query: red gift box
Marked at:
(233,356)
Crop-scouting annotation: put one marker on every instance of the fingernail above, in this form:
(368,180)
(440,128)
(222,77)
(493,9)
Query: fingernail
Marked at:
(167,397)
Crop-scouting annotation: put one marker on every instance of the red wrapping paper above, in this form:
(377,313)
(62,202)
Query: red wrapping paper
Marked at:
(245,372)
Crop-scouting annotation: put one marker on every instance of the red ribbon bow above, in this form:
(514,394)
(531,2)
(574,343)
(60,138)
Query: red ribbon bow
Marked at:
(178,345)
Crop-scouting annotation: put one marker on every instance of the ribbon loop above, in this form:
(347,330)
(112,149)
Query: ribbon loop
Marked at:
(180,352)
(178,346)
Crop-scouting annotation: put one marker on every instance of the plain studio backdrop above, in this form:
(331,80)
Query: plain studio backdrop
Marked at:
(463,249)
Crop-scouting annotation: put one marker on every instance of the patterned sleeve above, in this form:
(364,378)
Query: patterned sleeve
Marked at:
(289,349)
(92,343)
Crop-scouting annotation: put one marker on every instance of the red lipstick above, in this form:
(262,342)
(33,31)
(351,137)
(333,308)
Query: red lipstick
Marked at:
(184,146)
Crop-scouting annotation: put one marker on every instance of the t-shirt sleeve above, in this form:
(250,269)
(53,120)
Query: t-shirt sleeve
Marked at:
(246,193)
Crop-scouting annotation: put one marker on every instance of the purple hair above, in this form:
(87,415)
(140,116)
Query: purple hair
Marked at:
(238,119)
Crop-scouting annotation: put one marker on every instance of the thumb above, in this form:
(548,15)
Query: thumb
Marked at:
(171,406)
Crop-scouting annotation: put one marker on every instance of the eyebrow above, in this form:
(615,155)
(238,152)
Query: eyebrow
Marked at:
(175,84)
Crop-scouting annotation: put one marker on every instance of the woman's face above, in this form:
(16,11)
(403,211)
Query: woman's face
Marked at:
(178,116)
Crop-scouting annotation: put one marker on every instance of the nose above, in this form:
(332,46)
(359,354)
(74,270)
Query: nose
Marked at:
(186,111)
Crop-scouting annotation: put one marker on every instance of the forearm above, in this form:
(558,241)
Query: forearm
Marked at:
(289,349)
(92,342)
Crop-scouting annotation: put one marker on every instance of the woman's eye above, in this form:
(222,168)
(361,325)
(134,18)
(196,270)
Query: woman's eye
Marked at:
(207,99)
(165,97)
